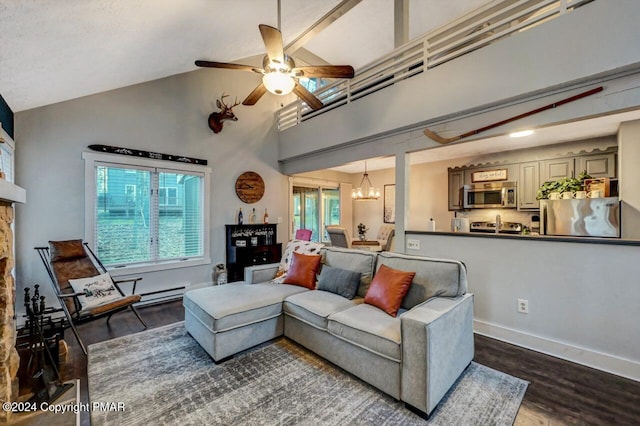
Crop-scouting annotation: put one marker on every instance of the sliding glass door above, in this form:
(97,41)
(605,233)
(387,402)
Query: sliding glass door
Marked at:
(314,207)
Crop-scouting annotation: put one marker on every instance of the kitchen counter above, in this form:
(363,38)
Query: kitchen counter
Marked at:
(548,238)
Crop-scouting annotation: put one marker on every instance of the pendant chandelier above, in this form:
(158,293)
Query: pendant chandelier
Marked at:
(365,191)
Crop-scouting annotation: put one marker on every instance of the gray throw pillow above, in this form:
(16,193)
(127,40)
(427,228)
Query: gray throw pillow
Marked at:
(339,281)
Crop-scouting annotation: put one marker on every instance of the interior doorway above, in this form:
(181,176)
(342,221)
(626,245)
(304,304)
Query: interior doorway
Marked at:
(314,207)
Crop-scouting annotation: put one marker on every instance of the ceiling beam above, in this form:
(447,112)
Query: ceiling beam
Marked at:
(400,22)
(328,19)
(309,58)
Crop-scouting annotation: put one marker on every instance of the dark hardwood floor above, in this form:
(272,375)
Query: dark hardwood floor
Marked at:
(559,392)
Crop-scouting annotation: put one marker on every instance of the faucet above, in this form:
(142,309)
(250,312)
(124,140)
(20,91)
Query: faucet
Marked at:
(498,223)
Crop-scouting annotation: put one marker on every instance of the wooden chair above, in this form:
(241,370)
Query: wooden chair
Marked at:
(73,259)
(339,236)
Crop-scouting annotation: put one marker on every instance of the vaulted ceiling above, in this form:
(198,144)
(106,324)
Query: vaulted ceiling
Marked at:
(53,50)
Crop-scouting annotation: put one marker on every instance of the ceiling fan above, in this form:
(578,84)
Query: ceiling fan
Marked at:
(279,71)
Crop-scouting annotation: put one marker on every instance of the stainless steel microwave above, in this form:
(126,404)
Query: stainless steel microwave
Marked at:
(489,195)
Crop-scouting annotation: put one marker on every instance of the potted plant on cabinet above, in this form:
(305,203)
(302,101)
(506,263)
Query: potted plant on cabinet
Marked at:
(566,184)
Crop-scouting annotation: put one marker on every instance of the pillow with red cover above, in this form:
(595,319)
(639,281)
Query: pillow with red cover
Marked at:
(388,288)
(303,270)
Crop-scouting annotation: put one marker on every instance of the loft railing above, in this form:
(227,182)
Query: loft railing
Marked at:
(494,21)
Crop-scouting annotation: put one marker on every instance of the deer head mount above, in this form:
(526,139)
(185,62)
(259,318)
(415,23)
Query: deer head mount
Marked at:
(226,113)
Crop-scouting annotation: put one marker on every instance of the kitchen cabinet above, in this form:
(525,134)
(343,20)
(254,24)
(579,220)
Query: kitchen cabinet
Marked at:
(531,174)
(528,184)
(556,168)
(599,165)
(456,180)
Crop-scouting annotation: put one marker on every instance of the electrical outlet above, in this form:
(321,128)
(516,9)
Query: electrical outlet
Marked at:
(279,219)
(523,306)
(413,244)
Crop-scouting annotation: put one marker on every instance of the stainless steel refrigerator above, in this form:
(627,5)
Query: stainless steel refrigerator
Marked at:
(588,217)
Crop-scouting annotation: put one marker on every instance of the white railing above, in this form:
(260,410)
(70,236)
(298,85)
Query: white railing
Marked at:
(473,31)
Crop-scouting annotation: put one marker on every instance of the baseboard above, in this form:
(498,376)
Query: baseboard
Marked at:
(601,361)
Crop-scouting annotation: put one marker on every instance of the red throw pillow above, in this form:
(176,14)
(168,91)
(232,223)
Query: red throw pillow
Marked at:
(388,288)
(303,270)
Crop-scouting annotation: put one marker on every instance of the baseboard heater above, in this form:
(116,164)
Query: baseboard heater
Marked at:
(161,298)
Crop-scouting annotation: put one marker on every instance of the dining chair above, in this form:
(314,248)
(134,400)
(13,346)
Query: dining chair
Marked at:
(304,234)
(339,236)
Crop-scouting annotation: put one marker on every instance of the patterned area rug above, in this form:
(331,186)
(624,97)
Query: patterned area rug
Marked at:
(164,377)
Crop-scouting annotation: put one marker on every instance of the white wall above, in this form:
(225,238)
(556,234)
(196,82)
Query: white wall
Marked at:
(583,299)
(576,49)
(167,116)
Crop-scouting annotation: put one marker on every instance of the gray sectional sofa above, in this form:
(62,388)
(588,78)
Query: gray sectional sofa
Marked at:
(414,357)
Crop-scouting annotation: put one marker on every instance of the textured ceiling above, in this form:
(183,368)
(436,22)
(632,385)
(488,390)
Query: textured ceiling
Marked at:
(55,50)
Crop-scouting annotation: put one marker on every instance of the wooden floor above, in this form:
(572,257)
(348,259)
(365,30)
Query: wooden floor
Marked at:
(559,392)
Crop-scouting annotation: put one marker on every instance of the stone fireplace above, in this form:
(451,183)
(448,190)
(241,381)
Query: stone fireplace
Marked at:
(9,360)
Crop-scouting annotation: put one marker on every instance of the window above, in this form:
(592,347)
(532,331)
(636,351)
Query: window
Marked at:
(144,214)
(314,212)
(168,196)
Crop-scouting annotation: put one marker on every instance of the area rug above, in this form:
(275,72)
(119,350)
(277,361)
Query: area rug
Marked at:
(164,377)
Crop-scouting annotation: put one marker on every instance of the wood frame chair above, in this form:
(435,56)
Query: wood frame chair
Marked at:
(73,259)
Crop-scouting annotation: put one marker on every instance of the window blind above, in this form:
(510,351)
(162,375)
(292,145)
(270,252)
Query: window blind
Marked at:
(146,215)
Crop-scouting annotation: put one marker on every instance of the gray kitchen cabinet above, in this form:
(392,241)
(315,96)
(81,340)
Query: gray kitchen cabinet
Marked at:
(556,169)
(597,165)
(456,180)
(528,183)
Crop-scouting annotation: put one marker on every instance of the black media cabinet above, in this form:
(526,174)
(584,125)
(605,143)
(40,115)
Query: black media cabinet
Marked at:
(248,245)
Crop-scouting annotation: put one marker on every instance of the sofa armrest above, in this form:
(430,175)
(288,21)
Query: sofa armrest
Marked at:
(260,273)
(437,345)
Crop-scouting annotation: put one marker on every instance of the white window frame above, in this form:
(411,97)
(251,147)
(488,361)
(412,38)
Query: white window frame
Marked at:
(167,197)
(90,194)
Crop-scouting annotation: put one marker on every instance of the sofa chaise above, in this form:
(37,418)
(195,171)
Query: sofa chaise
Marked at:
(415,356)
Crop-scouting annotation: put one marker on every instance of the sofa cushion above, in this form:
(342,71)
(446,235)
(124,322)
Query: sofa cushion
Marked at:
(314,307)
(303,270)
(339,281)
(297,246)
(229,306)
(434,277)
(370,328)
(360,261)
(388,289)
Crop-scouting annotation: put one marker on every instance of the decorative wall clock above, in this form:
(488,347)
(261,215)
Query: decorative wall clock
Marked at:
(250,187)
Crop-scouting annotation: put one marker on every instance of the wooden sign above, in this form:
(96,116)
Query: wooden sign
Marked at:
(489,175)
(147,154)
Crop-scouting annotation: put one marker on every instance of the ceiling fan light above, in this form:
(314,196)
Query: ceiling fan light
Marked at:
(278,83)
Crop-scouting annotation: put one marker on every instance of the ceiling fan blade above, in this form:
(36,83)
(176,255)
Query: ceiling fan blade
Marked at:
(211,64)
(326,71)
(255,95)
(272,38)
(313,102)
